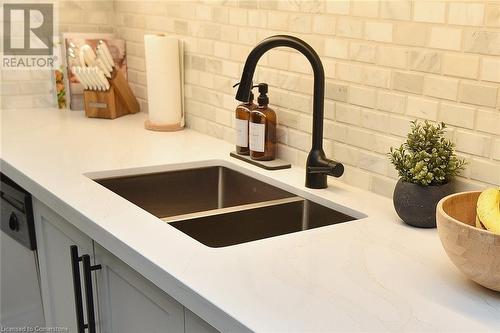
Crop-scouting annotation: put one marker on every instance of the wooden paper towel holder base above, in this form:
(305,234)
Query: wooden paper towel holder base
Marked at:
(162,127)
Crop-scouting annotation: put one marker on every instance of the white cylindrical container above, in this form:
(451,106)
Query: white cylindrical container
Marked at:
(165,78)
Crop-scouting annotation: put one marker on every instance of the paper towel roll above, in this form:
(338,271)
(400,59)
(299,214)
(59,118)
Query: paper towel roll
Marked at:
(165,78)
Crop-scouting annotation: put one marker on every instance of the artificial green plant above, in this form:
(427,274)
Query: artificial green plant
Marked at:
(426,157)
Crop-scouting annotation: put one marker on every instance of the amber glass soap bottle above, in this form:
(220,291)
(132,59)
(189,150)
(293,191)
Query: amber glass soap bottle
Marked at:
(262,135)
(242,119)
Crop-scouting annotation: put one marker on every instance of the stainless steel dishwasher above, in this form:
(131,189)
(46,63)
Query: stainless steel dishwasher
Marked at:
(21,301)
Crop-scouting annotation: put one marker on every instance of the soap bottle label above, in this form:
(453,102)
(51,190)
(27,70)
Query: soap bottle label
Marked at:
(241,132)
(257,137)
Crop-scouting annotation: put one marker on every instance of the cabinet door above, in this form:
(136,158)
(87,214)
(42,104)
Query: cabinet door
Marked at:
(194,324)
(129,303)
(54,236)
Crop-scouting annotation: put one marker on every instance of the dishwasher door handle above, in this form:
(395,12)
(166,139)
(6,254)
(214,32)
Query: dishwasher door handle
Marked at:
(77,287)
(89,295)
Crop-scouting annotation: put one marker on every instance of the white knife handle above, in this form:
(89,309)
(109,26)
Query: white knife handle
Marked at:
(102,79)
(102,66)
(104,60)
(81,57)
(86,73)
(88,55)
(84,77)
(80,79)
(107,53)
(96,79)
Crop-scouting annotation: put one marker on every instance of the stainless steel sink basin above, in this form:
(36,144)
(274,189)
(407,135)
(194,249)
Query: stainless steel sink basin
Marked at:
(192,190)
(258,222)
(219,206)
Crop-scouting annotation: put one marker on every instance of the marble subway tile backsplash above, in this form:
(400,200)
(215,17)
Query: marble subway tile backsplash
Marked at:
(386,63)
(26,89)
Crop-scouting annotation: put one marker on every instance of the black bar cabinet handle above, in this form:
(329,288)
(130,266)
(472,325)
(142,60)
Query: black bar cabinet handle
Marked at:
(89,295)
(77,287)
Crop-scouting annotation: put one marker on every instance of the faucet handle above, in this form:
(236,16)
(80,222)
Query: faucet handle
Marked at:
(318,169)
(333,168)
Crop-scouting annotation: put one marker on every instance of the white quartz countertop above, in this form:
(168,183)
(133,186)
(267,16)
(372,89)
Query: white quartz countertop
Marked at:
(373,274)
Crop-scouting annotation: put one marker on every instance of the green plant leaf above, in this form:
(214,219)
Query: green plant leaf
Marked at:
(426,157)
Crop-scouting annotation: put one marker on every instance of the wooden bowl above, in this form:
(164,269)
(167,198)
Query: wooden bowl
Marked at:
(474,251)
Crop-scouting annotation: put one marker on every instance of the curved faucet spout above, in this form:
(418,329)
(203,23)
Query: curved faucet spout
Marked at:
(319,75)
(315,176)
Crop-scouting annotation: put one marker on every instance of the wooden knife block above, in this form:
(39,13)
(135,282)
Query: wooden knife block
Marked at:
(118,101)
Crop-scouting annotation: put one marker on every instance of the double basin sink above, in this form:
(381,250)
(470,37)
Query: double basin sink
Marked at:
(219,206)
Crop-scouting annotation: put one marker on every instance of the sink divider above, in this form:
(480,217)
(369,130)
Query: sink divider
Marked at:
(220,211)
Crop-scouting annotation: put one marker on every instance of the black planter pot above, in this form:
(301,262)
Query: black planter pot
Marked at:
(416,204)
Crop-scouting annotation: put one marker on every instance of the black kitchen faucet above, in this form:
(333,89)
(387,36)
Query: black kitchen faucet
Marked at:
(318,166)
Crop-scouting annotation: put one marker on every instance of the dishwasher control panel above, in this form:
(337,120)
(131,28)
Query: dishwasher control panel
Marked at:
(17,213)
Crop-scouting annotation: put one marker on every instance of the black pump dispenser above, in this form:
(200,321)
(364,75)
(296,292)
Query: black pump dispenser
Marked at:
(263,99)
